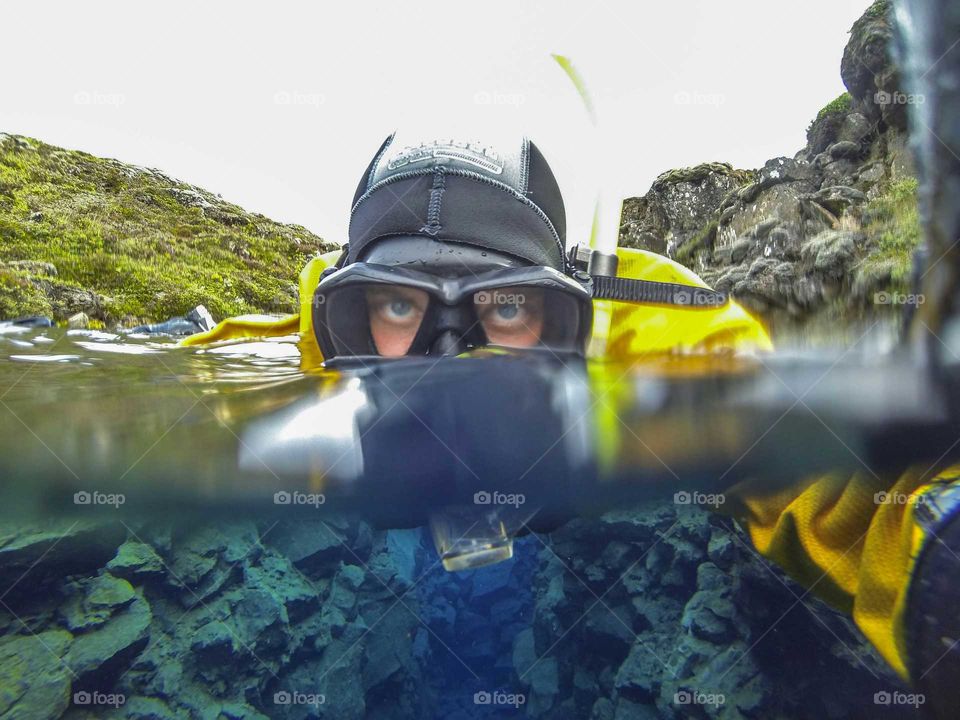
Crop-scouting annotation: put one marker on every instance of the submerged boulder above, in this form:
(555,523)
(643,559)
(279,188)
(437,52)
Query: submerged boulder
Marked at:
(35,675)
(99,656)
(32,558)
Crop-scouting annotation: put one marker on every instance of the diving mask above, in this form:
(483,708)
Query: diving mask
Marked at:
(391,311)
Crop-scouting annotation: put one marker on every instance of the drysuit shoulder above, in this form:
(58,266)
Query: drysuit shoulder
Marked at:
(642,329)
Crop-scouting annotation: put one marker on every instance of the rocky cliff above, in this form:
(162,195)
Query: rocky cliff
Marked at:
(829,232)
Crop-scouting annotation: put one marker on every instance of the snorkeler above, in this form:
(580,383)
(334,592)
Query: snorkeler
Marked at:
(457,245)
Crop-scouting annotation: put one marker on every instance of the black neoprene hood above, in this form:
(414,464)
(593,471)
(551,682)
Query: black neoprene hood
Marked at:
(504,199)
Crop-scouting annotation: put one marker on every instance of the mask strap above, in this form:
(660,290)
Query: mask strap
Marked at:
(656,293)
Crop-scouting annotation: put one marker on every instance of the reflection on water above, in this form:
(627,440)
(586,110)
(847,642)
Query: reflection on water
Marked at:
(87,405)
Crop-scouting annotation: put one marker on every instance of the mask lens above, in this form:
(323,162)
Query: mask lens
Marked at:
(371,318)
(528,316)
(511,316)
(395,314)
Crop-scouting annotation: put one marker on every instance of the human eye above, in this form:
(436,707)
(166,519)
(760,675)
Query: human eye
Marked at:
(396,305)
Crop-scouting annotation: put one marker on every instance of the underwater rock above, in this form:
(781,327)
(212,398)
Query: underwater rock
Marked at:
(637,677)
(136,561)
(94,601)
(692,612)
(343,592)
(32,558)
(312,545)
(99,656)
(388,657)
(708,616)
(403,546)
(34,676)
(544,681)
(144,708)
(218,623)
(275,574)
(204,560)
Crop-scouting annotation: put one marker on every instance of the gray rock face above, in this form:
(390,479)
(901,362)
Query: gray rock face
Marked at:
(867,69)
(677,207)
(760,235)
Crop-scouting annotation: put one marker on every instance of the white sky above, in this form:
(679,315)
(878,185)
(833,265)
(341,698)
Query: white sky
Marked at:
(278,106)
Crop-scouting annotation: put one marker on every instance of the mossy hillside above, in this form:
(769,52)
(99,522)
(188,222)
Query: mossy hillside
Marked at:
(891,223)
(136,243)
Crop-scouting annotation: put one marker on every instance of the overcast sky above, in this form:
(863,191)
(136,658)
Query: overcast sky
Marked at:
(279,106)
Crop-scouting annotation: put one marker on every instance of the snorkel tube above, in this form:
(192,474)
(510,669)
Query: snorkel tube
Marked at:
(599,258)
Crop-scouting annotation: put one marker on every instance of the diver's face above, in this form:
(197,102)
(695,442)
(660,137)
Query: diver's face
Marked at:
(512,317)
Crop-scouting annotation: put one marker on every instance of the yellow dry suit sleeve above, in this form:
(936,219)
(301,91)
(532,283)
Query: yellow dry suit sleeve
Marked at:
(852,541)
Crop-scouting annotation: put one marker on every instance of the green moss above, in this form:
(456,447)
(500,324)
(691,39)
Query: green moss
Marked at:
(699,172)
(892,226)
(702,241)
(151,246)
(881,8)
(19,296)
(841,104)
